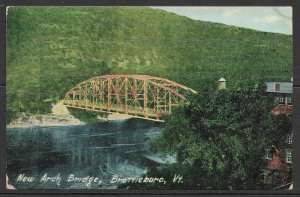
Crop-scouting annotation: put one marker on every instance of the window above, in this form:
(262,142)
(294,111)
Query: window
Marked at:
(289,99)
(290,138)
(277,87)
(288,156)
(269,155)
(281,99)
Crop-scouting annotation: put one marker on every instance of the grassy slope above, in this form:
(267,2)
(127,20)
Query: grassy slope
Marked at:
(50,50)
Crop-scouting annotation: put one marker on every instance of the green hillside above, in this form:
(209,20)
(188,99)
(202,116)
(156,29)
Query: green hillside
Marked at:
(49,50)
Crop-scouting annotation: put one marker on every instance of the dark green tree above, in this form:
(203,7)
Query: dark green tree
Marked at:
(221,137)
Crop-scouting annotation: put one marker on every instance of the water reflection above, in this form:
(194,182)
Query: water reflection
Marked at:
(102,149)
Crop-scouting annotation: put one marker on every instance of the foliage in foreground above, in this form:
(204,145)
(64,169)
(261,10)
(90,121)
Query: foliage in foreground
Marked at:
(220,139)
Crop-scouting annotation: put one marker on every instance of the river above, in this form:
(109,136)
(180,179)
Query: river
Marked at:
(52,156)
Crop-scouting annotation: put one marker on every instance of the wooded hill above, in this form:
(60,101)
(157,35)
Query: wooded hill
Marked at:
(49,50)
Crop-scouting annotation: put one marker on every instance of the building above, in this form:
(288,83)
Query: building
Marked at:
(279,160)
(283,92)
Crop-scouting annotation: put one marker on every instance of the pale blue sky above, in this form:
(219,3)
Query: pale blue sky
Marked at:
(269,19)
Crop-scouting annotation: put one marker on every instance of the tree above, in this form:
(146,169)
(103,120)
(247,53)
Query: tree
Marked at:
(221,138)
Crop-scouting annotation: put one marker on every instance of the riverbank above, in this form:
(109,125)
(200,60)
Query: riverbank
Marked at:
(61,116)
(45,120)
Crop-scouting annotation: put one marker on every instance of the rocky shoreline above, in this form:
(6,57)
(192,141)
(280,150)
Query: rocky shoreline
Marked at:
(45,120)
(60,116)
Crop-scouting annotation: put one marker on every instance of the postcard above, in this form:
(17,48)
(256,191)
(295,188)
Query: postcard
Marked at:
(149,98)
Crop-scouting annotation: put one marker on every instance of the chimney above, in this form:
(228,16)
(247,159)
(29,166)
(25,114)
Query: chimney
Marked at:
(221,84)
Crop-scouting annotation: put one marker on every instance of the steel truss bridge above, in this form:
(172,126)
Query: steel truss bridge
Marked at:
(140,96)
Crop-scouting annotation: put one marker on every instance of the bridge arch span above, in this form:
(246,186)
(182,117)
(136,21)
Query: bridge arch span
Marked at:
(140,96)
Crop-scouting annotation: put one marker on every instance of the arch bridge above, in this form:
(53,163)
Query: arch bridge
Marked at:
(140,96)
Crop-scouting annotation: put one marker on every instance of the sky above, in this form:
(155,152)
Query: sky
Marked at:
(268,19)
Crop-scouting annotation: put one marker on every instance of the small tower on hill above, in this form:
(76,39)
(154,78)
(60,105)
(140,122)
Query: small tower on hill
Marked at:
(221,84)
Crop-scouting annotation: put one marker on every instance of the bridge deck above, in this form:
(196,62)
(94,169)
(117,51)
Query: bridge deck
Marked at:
(149,114)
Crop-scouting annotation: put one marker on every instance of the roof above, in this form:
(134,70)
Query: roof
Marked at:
(222,80)
(280,87)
